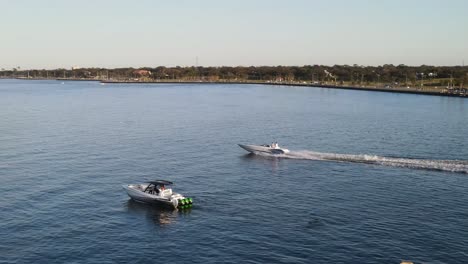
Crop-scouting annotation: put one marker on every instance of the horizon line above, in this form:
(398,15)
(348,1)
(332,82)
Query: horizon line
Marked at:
(220,66)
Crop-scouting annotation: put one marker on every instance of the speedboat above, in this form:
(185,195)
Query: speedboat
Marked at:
(155,192)
(270,149)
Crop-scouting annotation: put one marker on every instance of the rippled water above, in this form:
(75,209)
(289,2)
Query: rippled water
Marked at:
(372,177)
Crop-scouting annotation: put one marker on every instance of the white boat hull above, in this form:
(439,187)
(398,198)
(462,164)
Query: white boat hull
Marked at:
(263,149)
(167,198)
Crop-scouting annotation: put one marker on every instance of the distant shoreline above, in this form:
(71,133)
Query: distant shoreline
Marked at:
(456,92)
(359,88)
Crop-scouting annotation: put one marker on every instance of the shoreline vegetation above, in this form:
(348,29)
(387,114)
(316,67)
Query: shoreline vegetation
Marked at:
(430,80)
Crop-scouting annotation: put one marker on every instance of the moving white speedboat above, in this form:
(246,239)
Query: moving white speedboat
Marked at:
(155,192)
(270,149)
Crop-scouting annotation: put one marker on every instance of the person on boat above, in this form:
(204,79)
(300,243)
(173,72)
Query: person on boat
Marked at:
(154,190)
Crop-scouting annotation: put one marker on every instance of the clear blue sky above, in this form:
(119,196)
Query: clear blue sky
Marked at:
(101,33)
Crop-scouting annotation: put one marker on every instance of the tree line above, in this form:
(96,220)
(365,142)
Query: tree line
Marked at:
(337,74)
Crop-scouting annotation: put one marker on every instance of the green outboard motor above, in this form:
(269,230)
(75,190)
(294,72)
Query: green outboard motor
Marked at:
(185,203)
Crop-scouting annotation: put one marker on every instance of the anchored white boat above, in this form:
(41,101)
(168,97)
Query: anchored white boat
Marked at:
(155,192)
(270,149)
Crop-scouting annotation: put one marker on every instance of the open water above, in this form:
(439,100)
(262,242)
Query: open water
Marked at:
(372,177)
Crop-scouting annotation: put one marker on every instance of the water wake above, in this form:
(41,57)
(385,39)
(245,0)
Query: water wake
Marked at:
(460,166)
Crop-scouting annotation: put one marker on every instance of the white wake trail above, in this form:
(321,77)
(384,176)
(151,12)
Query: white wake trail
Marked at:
(460,166)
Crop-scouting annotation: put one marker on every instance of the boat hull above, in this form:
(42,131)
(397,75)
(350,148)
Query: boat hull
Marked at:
(143,197)
(263,149)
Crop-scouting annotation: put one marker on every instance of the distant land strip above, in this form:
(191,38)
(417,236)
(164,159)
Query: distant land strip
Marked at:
(424,79)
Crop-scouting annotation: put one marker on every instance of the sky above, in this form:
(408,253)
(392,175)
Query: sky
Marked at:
(51,34)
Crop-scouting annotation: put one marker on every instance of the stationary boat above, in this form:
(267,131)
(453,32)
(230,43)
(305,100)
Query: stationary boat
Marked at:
(270,149)
(155,192)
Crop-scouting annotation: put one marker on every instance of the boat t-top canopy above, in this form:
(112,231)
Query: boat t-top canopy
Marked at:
(161,182)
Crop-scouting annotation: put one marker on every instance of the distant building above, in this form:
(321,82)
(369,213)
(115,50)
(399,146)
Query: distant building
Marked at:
(141,73)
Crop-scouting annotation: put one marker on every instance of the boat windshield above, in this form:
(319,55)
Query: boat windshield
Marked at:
(152,189)
(273,145)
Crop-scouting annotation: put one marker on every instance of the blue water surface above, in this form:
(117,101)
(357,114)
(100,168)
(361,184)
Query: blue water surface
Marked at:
(400,192)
